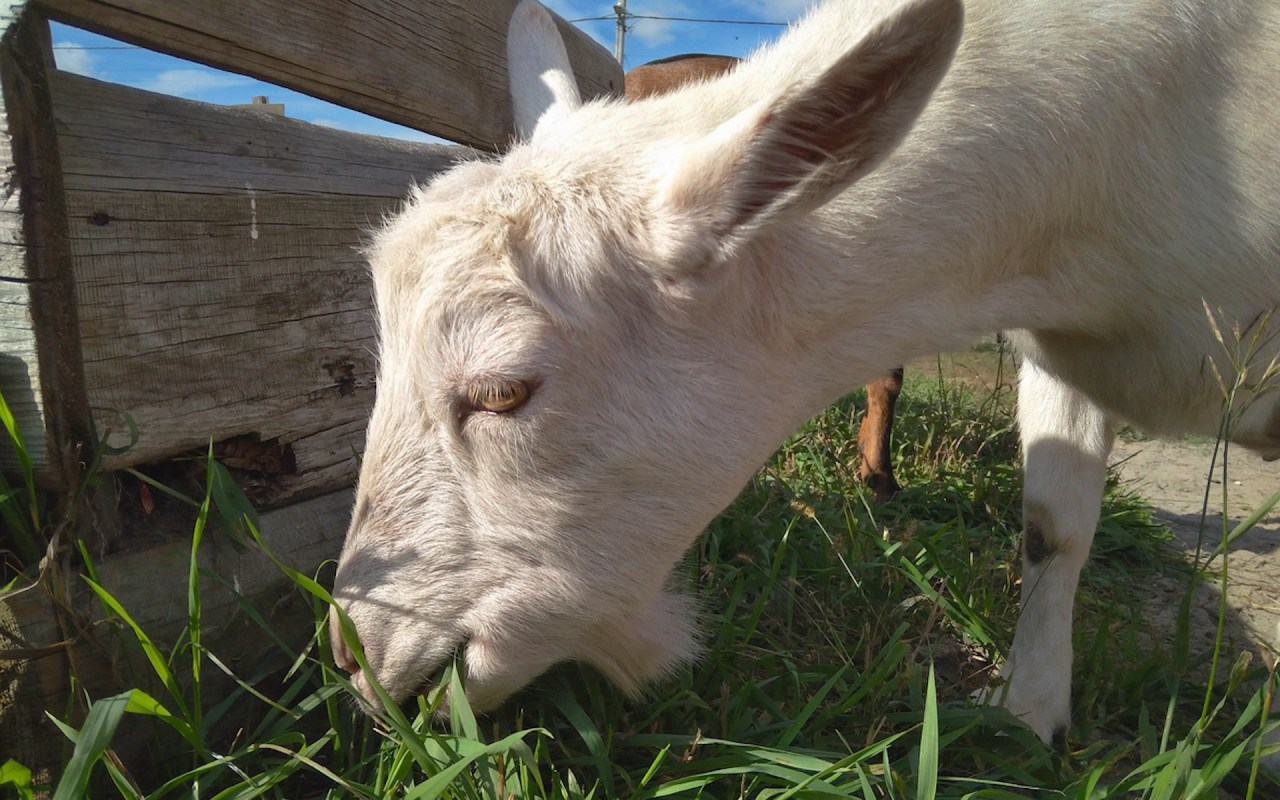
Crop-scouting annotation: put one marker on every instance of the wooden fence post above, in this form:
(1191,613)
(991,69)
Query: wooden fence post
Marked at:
(36,255)
(41,372)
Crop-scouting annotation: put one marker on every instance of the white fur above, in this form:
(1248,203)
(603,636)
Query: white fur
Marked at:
(686,279)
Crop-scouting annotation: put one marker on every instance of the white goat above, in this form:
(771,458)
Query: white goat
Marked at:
(589,346)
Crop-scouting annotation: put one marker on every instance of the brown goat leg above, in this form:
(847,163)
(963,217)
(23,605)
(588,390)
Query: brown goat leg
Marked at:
(876,469)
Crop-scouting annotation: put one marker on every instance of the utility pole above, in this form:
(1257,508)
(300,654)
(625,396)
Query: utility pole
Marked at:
(620,40)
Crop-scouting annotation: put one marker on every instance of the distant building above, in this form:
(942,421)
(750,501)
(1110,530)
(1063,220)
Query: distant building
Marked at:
(261,103)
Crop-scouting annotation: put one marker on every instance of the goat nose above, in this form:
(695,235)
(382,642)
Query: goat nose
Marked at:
(342,655)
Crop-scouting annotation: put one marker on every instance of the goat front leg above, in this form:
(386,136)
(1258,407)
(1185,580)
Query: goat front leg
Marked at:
(875,435)
(1066,439)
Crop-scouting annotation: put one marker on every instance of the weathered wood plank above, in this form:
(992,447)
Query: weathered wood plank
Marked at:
(40,371)
(439,67)
(19,365)
(19,368)
(221,289)
(152,585)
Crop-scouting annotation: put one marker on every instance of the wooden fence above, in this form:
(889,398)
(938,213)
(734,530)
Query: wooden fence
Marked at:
(173,272)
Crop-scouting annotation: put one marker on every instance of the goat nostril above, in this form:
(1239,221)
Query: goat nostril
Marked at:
(342,655)
(343,658)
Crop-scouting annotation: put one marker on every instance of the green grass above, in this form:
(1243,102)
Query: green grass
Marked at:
(843,641)
(21,506)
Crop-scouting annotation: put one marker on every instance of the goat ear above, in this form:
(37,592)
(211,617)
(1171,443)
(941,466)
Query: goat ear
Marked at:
(542,81)
(790,153)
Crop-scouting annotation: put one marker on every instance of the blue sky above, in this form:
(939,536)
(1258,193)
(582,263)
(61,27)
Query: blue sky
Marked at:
(99,57)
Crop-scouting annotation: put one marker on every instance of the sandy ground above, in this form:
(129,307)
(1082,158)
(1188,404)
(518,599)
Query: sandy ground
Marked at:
(1172,477)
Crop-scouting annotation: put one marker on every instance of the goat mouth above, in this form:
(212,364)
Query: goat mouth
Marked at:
(371,702)
(421,684)
(423,687)
(362,692)
(435,677)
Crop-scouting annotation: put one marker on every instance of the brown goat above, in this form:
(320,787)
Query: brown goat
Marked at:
(876,467)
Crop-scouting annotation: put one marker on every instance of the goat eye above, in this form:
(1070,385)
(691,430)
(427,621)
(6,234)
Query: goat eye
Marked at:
(498,397)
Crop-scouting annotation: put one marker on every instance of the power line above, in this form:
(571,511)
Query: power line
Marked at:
(686,19)
(711,21)
(622,16)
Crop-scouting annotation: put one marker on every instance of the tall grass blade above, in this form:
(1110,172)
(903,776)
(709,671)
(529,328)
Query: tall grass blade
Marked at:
(569,706)
(461,716)
(21,520)
(140,702)
(1246,525)
(160,487)
(194,626)
(439,783)
(159,664)
(806,713)
(308,759)
(24,458)
(927,772)
(234,509)
(90,742)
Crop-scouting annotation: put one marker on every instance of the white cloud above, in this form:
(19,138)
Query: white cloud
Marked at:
(657,32)
(71,57)
(654,32)
(194,82)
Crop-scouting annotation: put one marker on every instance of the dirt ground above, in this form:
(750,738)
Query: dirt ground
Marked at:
(1171,476)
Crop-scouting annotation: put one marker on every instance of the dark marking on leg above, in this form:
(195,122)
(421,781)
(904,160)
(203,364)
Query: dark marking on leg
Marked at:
(1058,741)
(1034,544)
